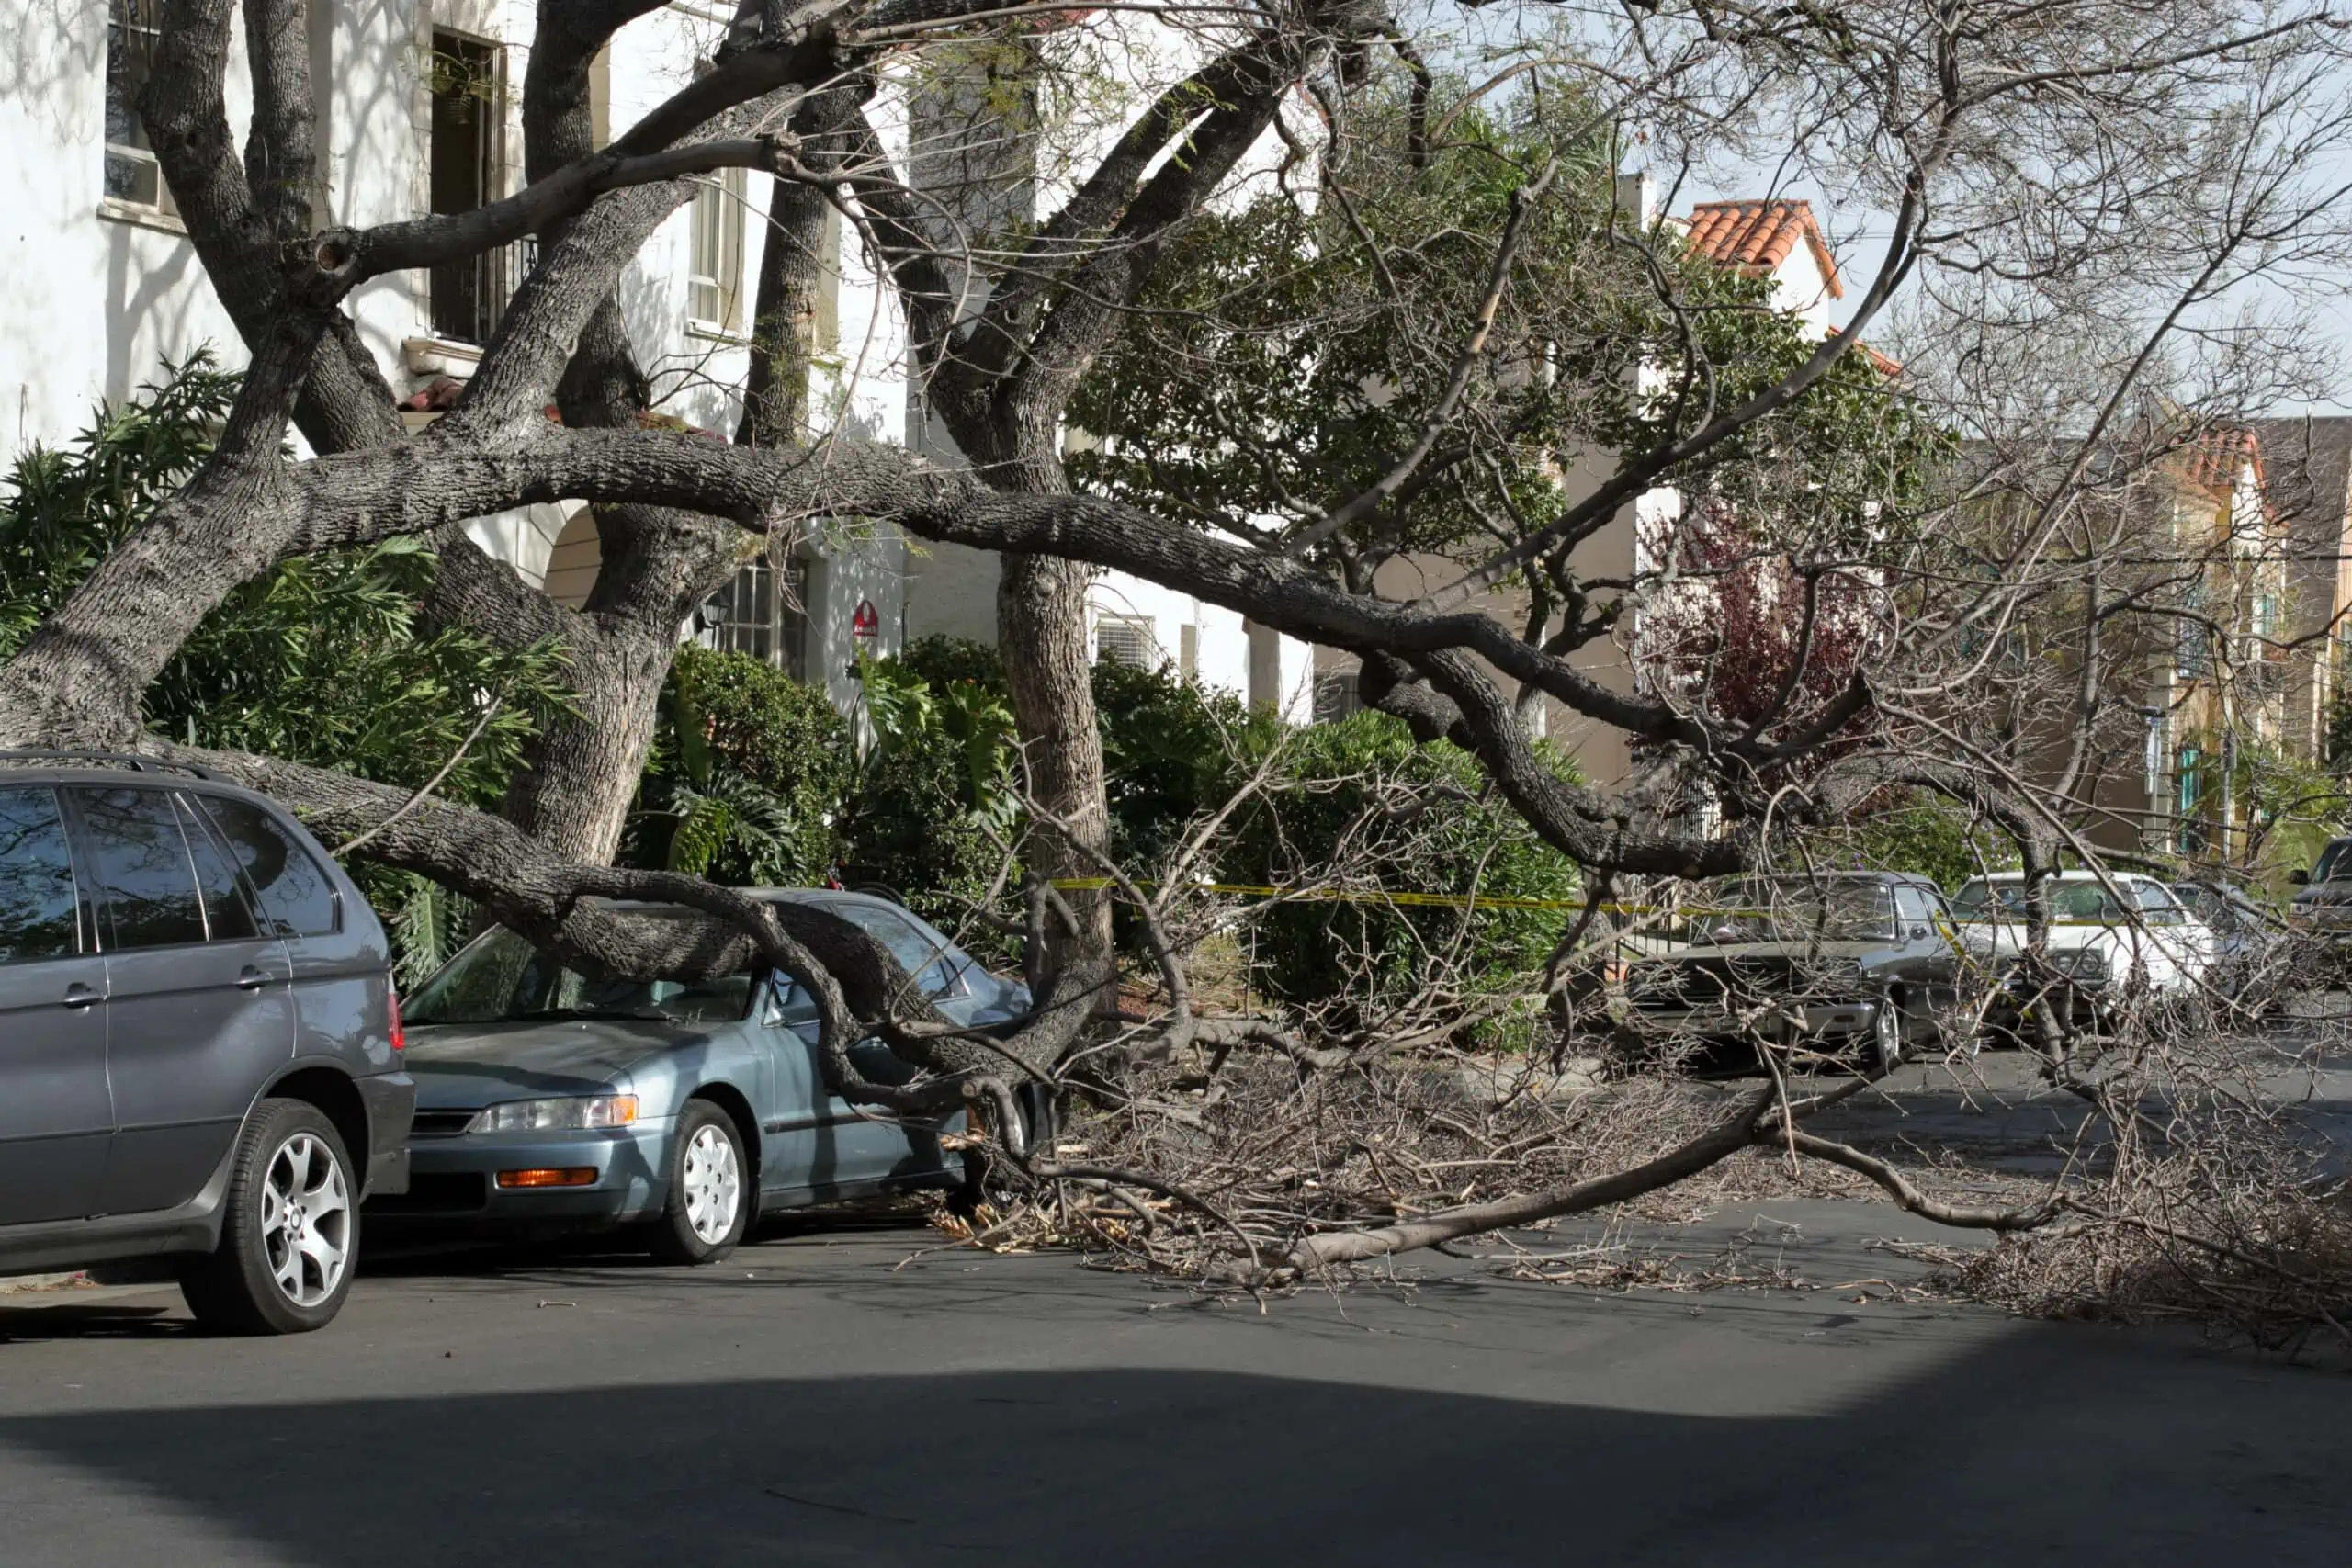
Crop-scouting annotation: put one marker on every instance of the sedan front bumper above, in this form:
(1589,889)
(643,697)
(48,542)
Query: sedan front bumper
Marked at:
(1820,1023)
(454,1181)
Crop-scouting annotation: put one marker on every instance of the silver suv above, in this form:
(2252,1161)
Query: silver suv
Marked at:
(200,1045)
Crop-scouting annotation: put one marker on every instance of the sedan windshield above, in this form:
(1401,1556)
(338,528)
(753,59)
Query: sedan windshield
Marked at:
(1796,911)
(501,978)
(2069,900)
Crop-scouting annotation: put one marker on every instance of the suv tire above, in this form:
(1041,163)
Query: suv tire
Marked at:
(711,1195)
(290,1240)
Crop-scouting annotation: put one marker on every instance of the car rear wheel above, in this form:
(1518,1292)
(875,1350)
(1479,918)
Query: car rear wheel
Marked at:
(710,1205)
(290,1235)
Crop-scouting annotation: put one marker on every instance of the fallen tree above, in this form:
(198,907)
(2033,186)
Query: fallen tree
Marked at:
(2049,200)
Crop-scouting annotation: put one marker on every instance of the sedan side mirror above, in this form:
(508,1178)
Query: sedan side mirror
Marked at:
(2300,878)
(1919,933)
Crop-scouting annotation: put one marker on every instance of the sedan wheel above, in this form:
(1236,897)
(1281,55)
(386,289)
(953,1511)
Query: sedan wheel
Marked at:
(708,1208)
(1886,1034)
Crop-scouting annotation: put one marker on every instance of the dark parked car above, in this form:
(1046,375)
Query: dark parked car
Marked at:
(199,1045)
(2248,942)
(550,1099)
(1846,963)
(2322,909)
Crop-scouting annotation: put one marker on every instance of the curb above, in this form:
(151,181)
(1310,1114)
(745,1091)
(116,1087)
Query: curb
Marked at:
(27,1284)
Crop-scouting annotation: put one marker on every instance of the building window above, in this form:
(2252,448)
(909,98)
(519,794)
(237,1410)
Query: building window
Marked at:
(715,271)
(2192,652)
(467,79)
(2265,616)
(1336,696)
(133,28)
(2189,791)
(1126,639)
(2156,759)
(764,614)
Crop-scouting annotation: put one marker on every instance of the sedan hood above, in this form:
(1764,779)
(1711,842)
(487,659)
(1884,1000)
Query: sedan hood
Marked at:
(2010,937)
(466,1065)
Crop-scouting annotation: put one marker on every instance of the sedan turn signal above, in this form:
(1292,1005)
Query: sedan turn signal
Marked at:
(565,1176)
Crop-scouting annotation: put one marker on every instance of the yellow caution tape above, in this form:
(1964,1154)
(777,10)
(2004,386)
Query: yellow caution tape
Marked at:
(1347,896)
(1498,901)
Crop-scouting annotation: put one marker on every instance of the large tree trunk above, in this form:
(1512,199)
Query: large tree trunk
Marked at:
(574,796)
(1041,628)
(1049,674)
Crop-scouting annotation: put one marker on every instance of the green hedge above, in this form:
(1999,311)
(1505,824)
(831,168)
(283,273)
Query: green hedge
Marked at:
(1335,793)
(747,778)
(772,791)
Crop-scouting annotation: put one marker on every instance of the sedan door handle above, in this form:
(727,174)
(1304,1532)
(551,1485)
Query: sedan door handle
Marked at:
(78,995)
(251,979)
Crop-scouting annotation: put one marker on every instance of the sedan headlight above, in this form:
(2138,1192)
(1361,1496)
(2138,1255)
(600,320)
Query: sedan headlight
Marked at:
(571,1114)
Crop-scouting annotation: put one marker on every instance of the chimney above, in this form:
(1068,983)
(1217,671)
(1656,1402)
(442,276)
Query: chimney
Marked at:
(1637,199)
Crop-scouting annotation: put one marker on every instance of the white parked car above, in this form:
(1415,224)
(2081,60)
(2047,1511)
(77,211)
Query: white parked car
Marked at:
(2099,942)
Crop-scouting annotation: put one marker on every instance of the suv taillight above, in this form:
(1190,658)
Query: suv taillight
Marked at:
(393,1000)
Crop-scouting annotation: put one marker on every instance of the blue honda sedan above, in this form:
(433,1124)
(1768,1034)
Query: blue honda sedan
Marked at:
(547,1100)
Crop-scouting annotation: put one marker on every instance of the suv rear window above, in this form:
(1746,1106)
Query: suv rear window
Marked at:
(296,896)
(36,895)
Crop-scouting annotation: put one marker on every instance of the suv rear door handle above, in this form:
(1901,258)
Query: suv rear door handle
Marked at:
(251,979)
(78,995)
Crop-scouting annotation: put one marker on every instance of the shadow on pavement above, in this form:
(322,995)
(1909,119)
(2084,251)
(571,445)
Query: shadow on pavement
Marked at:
(151,1316)
(2013,1453)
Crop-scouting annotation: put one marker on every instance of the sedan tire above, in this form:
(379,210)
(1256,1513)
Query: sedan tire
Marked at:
(710,1201)
(1886,1034)
(291,1237)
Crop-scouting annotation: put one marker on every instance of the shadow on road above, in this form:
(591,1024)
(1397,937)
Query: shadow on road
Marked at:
(2011,1455)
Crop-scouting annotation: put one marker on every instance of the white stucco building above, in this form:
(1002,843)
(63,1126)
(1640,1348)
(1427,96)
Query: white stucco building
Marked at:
(419,110)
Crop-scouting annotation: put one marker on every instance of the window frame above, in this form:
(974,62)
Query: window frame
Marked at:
(1337,695)
(721,200)
(85,915)
(1142,627)
(127,19)
(196,822)
(205,801)
(786,625)
(100,895)
(495,271)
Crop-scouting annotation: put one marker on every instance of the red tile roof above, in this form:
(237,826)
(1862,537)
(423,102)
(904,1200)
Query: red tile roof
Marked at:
(1757,236)
(1885,365)
(2215,458)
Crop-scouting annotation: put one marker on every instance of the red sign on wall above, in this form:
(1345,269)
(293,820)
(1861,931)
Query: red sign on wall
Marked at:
(865,620)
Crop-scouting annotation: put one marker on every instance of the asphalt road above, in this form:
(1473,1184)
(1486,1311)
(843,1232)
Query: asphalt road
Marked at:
(815,1402)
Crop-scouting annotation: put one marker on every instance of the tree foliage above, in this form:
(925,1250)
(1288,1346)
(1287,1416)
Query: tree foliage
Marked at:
(325,660)
(747,776)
